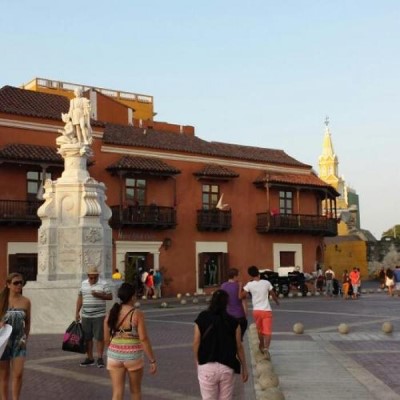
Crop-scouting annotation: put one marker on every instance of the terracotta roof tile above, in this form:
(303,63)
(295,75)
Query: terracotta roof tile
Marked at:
(29,152)
(217,171)
(294,179)
(124,135)
(143,165)
(34,104)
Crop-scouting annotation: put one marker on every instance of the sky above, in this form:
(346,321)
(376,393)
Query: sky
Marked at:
(260,73)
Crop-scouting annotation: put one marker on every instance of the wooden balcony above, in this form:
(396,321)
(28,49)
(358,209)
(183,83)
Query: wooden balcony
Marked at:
(214,220)
(154,217)
(296,223)
(19,212)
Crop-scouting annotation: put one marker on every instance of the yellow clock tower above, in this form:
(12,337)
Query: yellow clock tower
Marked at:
(347,204)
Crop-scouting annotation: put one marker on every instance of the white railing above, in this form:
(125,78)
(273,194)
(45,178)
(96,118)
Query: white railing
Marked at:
(49,83)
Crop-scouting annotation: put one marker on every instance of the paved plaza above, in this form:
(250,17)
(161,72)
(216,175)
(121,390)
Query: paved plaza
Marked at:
(319,364)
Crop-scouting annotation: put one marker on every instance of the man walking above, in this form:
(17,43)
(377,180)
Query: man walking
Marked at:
(260,290)
(92,301)
(237,307)
(355,279)
(329,277)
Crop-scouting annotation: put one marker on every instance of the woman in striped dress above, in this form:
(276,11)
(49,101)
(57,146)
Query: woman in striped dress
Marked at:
(125,331)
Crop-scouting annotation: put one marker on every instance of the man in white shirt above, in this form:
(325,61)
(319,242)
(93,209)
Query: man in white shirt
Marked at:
(92,302)
(329,277)
(260,290)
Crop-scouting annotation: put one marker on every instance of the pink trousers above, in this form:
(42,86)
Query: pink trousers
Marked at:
(216,381)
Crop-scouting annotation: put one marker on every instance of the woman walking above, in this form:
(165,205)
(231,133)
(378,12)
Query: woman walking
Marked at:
(125,331)
(345,284)
(389,281)
(15,310)
(237,307)
(218,350)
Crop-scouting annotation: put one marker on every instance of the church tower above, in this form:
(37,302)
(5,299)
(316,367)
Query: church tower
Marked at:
(347,203)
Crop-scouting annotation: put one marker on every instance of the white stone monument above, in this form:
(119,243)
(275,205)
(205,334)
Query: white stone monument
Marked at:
(74,233)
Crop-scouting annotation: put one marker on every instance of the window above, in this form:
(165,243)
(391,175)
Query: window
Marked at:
(210,196)
(285,202)
(135,191)
(25,264)
(34,180)
(287,258)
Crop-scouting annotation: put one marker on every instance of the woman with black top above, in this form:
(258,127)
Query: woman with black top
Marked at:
(218,350)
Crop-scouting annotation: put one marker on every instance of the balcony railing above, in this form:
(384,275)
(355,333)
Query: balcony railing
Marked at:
(296,223)
(214,220)
(152,216)
(19,212)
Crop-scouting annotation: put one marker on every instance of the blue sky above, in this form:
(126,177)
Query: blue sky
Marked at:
(262,73)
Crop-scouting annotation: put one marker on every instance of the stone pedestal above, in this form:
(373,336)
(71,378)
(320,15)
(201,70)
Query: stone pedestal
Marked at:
(74,234)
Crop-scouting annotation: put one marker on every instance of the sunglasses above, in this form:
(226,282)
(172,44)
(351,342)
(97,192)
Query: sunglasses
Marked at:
(15,283)
(92,276)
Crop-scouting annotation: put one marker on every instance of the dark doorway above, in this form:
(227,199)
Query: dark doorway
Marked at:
(25,264)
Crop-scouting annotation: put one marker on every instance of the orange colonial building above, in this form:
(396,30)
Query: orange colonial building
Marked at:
(190,207)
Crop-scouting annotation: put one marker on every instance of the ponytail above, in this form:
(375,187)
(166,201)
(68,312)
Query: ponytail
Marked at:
(113,317)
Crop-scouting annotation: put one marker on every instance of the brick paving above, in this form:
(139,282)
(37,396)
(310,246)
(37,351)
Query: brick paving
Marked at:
(366,360)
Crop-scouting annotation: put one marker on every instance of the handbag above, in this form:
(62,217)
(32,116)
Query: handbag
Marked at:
(74,338)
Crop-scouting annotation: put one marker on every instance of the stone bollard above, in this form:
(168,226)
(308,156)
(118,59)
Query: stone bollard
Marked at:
(268,380)
(263,366)
(298,328)
(343,328)
(273,393)
(387,327)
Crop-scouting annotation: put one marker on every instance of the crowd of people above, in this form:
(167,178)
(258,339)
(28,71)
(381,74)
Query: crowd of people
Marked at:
(122,333)
(348,285)
(219,331)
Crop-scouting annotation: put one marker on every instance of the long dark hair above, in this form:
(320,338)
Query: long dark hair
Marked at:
(219,302)
(125,294)
(5,293)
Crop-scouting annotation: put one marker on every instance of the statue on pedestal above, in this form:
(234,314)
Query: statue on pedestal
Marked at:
(77,127)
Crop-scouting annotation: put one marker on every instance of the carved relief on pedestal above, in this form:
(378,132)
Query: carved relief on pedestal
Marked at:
(47,209)
(42,236)
(52,261)
(43,260)
(92,181)
(108,263)
(92,257)
(93,235)
(90,206)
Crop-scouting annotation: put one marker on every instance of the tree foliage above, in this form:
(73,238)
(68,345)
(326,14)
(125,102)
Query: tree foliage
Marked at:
(393,232)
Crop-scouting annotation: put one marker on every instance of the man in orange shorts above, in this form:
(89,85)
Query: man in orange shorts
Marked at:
(260,290)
